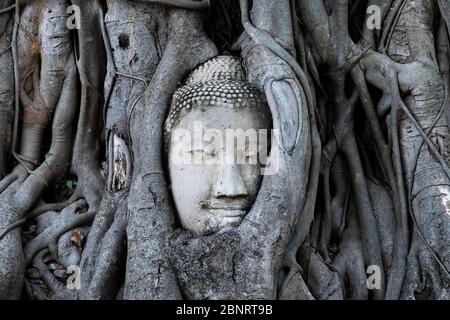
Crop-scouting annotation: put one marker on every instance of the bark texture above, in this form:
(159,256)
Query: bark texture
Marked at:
(86,210)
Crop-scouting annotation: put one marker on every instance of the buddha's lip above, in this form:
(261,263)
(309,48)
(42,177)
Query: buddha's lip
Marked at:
(225,206)
(228,212)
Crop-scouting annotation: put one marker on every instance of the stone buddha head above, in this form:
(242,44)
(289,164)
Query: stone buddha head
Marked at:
(216,137)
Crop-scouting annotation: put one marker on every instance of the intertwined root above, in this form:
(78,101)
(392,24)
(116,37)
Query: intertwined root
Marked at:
(360,223)
(48,90)
(48,95)
(6,84)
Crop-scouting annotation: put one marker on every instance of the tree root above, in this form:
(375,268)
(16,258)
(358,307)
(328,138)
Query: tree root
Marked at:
(104,226)
(41,210)
(92,69)
(10,8)
(7,181)
(321,278)
(51,235)
(107,277)
(350,262)
(59,291)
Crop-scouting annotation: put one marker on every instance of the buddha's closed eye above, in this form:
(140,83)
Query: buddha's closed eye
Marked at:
(207,150)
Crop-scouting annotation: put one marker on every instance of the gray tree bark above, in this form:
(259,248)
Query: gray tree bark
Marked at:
(363,176)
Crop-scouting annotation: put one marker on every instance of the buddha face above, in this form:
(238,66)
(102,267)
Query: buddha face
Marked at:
(216,185)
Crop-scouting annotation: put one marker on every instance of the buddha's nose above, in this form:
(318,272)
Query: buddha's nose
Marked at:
(229,182)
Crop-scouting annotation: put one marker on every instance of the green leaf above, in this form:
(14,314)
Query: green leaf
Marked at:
(48,155)
(69,184)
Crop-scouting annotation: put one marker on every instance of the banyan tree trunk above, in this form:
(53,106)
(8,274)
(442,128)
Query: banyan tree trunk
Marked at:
(6,85)
(412,46)
(362,151)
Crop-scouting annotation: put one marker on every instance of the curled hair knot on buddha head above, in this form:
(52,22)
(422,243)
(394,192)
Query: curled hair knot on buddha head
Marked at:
(219,81)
